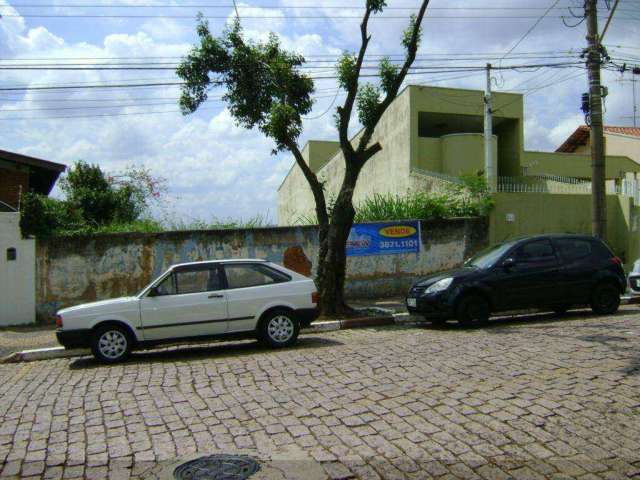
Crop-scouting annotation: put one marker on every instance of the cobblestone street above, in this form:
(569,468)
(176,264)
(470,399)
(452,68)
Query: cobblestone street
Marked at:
(527,399)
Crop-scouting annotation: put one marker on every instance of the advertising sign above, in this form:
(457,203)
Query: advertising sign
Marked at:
(386,238)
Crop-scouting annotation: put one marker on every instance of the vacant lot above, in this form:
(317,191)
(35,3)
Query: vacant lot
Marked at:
(540,398)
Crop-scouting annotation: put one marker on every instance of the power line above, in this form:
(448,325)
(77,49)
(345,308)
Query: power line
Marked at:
(571,51)
(267,7)
(532,28)
(325,68)
(419,70)
(302,17)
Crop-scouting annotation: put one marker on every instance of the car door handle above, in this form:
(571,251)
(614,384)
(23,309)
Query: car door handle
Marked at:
(216,295)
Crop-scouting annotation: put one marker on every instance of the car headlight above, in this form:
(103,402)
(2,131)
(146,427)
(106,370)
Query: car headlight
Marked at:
(439,286)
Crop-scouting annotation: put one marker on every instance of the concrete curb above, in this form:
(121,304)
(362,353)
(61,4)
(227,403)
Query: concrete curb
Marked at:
(43,354)
(317,327)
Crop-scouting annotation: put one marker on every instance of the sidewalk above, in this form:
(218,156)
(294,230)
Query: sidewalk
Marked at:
(15,339)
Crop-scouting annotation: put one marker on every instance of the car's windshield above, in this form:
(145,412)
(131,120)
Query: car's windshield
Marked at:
(487,258)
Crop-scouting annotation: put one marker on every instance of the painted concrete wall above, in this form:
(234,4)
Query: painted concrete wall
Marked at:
(536,213)
(386,172)
(508,107)
(575,165)
(618,144)
(17,277)
(81,269)
(463,153)
(318,152)
(454,154)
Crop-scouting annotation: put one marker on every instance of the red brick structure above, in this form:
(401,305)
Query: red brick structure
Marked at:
(21,173)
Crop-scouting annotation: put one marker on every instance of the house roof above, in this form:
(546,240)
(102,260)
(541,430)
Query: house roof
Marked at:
(42,173)
(581,135)
(632,131)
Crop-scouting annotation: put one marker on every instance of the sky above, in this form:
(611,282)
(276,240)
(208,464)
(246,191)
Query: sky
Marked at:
(215,169)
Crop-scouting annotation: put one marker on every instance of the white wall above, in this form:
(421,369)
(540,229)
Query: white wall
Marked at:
(17,277)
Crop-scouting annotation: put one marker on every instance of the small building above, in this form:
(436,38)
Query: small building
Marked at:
(19,174)
(431,135)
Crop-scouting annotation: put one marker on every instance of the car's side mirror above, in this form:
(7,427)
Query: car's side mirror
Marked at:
(508,263)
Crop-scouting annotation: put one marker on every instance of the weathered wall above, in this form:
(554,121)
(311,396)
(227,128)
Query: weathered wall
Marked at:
(17,277)
(75,270)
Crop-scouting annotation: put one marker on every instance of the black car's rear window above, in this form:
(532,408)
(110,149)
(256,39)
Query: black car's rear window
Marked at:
(574,248)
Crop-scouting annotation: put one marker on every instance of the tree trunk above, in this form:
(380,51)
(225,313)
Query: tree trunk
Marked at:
(331,284)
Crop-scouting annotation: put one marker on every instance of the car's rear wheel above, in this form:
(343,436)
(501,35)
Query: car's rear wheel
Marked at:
(279,328)
(473,308)
(111,343)
(605,299)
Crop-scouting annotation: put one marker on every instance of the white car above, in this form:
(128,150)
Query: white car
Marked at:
(239,298)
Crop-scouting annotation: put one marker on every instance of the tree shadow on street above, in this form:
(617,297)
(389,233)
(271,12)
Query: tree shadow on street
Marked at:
(217,350)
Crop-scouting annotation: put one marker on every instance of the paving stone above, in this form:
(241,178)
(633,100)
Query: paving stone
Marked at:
(526,400)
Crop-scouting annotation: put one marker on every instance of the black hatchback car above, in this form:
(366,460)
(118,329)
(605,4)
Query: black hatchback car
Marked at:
(546,272)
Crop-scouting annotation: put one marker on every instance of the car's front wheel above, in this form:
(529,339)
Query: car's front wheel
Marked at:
(111,343)
(279,328)
(605,299)
(473,308)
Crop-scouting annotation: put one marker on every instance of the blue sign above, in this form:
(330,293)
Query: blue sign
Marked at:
(387,238)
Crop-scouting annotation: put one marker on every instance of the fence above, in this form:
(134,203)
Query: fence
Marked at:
(558,184)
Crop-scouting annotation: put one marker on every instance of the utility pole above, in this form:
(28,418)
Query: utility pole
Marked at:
(489,169)
(598,190)
(633,86)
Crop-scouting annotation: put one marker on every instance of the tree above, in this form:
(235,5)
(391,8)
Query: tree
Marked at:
(265,89)
(93,199)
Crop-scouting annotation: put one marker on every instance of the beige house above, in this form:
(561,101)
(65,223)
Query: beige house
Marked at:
(617,141)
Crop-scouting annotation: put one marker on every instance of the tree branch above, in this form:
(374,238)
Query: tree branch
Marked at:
(393,91)
(345,111)
(314,184)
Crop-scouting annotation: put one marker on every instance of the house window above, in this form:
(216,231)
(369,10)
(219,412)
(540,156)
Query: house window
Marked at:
(11,254)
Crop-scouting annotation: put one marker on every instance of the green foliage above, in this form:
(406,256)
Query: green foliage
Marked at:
(263,83)
(347,75)
(376,6)
(408,33)
(41,216)
(257,221)
(388,74)
(471,198)
(368,101)
(94,202)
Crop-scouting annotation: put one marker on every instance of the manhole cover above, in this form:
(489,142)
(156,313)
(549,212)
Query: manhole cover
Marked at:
(217,467)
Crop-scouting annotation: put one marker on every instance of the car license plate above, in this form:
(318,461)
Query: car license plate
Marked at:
(411,302)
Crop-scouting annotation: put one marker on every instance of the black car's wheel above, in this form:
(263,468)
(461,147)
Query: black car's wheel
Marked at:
(605,299)
(279,328)
(111,343)
(473,308)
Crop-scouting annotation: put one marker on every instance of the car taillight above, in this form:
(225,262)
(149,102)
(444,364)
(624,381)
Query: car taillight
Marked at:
(59,321)
(616,260)
(315,297)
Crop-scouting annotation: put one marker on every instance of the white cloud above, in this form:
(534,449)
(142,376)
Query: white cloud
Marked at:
(217,168)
